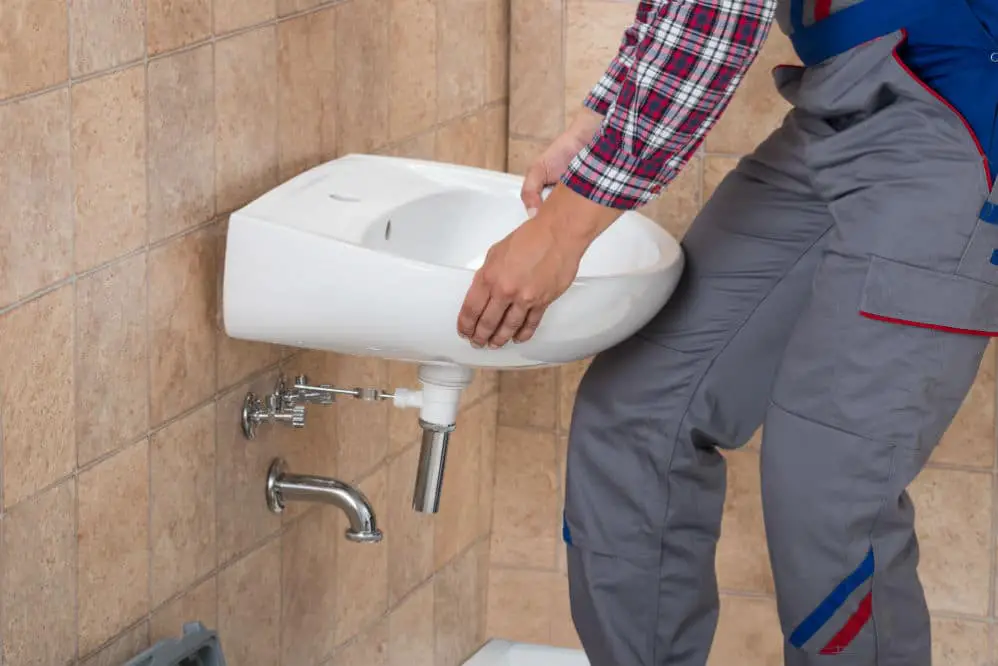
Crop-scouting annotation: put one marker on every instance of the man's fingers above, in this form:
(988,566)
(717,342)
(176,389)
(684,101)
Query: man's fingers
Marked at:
(530,325)
(489,321)
(533,185)
(516,315)
(473,307)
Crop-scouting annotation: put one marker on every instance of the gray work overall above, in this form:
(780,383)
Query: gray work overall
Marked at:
(842,285)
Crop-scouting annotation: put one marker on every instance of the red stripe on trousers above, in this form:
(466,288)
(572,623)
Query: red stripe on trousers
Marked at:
(934,327)
(822,8)
(852,627)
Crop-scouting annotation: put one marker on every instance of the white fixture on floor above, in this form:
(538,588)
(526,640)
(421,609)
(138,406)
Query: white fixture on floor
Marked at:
(499,652)
(372,255)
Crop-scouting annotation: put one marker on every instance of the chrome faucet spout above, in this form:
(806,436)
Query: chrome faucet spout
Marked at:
(283,487)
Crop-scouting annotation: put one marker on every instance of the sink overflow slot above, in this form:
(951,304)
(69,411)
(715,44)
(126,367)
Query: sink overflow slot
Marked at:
(388,229)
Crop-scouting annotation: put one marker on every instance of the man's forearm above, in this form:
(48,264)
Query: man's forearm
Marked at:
(690,58)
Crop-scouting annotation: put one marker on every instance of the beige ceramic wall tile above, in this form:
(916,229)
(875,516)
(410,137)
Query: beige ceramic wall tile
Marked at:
(197,604)
(35,203)
(129,644)
(594,30)
(569,376)
(456,523)
(522,152)
(241,468)
(35,32)
(361,569)
(181,141)
(487,464)
(175,23)
(679,204)
(742,554)
(954,510)
(363,426)
(461,57)
(182,323)
(109,166)
(457,601)
(970,439)
(249,594)
(411,630)
(714,170)
(483,383)
(536,74)
(113,538)
(497,36)
(521,604)
(413,86)
(959,643)
(369,648)
(462,141)
(112,359)
(306,77)
(410,545)
(563,633)
(363,70)
(529,398)
(421,147)
(105,34)
(526,500)
(39,579)
(182,460)
(757,108)
(748,632)
(285,7)
(308,588)
(246,142)
(237,14)
(37,394)
(496,137)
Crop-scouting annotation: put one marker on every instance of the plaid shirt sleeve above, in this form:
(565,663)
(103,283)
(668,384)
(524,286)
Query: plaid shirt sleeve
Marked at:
(675,73)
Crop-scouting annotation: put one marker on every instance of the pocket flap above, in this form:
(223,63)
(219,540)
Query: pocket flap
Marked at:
(907,294)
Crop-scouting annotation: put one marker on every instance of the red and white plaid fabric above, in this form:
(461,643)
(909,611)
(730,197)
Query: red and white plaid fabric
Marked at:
(676,70)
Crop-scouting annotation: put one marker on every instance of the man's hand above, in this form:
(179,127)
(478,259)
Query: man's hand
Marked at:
(523,274)
(526,271)
(548,168)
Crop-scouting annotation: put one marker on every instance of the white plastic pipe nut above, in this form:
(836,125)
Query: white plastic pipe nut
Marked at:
(408,398)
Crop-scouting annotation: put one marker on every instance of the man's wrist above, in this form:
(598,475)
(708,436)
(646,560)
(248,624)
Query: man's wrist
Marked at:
(574,219)
(585,125)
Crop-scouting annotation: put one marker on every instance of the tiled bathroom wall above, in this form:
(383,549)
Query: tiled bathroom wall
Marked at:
(130,501)
(558,50)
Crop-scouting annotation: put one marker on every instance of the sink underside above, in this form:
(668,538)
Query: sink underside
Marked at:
(373,256)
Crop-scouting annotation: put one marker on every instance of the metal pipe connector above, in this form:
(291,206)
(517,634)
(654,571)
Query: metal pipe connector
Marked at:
(283,487)
(430,472)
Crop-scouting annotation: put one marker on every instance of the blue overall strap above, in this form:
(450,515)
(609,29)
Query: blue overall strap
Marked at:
(848,28)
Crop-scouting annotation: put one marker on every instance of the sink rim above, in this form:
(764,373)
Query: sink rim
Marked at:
(669,249)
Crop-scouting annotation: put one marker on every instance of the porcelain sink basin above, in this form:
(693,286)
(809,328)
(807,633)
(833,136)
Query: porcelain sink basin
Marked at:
(372,255)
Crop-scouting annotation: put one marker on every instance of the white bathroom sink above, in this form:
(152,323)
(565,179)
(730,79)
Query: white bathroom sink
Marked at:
(372,255)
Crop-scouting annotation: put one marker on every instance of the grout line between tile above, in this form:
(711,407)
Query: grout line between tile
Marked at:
(991,547)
